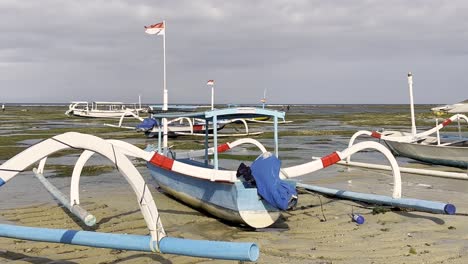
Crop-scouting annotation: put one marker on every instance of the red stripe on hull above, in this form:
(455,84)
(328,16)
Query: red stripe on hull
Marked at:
(446,122)
(162,161)
(330,159)
(376,134)
(223,147)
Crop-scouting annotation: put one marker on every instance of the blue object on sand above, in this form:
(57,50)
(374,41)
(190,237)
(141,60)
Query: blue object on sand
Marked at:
(359,219)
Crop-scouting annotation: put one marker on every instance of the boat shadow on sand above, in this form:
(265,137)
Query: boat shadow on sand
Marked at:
(436,220)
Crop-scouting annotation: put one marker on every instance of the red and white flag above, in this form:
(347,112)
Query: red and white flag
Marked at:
(210,82)
(156,29)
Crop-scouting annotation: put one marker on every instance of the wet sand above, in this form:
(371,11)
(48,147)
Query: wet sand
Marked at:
(306,235)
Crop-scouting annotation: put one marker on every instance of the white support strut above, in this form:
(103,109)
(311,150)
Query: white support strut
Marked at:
(20,162)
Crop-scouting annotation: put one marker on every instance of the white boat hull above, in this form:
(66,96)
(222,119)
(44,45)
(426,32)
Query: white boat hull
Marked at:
(229,201)
(102,114)
(455,156)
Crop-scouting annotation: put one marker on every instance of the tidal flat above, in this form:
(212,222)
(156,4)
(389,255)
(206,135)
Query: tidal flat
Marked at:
(318,230)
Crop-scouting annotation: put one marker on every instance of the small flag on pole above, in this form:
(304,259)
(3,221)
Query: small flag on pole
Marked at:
(156,29)
(210,82)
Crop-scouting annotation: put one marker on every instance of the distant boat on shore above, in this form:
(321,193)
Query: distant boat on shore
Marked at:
(461,107)
(449,150)
(103,109)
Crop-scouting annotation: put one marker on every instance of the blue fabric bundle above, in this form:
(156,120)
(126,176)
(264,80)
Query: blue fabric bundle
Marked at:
(147,124)
(265,170)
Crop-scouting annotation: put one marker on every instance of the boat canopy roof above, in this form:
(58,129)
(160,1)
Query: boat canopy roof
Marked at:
(226,113)
(175,106)
(98,102)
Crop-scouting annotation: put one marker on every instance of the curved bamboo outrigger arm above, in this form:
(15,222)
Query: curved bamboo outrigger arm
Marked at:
(335,157)
(128,112)
(445,123)
(125,148)
(222,148)
(181,120)
(122,117)
(353,138)
(243,122)
(409,138)
(38,152)
(299,170)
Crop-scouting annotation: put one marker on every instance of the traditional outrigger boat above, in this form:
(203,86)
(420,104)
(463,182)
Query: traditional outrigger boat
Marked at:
(461,107)
(103,109)
(221,193)
(179,126)
(186,124)
(424,146)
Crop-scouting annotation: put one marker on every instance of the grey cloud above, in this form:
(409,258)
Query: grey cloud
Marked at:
(58,51)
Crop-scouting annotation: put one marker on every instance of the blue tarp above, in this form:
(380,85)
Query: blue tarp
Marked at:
(147,124)
(265,170)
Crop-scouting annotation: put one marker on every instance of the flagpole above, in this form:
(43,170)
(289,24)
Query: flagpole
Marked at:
(413,121)
(212,97)
(164,60)
(139,101)
(165,99)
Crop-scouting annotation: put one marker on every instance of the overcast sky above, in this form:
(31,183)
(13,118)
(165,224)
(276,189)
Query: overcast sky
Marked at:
(310,52)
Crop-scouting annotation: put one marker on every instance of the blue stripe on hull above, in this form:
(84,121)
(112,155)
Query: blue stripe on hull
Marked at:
(223,200)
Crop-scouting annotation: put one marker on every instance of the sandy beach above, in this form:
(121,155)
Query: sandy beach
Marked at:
(319,230)
(306,235)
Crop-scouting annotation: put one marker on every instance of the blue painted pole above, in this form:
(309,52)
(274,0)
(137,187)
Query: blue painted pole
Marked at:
(207,123)
(159,137)
(74,237)
(197,248)
(275,118)
(416,204)
(210,249)
(215,140)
